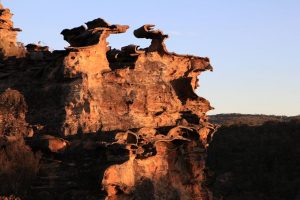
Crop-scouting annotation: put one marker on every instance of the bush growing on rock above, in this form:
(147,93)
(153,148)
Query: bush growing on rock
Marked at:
(19,166)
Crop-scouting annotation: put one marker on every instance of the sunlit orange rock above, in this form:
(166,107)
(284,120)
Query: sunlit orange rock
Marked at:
(8,36)
(141,99)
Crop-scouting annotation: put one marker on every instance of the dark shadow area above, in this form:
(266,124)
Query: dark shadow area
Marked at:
(41,81)
(19,167)
(183,89)
(256,162)
(164,129)
(124,58)
(77,172)
(190,117)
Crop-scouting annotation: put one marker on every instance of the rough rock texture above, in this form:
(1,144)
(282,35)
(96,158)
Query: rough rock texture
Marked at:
(152,129)
(141,87)
(8,36)
(159,167)
(12,114)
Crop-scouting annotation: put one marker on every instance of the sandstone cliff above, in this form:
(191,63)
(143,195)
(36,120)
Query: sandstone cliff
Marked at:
(135,106)
(8,36)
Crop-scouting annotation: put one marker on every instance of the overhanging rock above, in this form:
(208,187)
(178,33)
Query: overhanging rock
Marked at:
(143,98)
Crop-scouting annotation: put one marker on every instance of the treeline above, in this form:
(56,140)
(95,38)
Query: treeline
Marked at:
(256,162)
(251,120)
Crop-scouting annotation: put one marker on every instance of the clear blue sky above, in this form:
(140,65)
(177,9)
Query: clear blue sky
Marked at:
(254,45)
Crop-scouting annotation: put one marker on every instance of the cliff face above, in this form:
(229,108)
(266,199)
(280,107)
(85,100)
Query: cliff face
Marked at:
(140,101)
(8,36)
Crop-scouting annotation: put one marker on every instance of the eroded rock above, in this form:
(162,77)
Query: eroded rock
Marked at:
(141,87)
(141,101)
(8,36)
(160,166)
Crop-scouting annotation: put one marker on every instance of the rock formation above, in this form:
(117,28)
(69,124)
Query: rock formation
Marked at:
(8,36)
(140,101)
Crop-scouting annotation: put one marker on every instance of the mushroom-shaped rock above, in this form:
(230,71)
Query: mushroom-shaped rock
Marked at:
(132,50)
(90,33)
(147,31)
(96,23)
(157,37)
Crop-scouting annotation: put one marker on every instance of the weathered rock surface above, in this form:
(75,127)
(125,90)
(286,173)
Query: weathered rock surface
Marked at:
(151,128)
(159,167)
(13,109)
(8,36)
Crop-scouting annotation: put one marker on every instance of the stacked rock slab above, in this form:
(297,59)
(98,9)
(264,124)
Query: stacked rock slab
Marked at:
(8,36)
(142,97)
(129,88)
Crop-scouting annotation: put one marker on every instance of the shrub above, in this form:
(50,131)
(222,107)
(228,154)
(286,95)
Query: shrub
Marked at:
(18,167)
